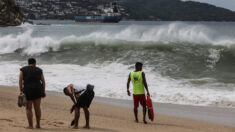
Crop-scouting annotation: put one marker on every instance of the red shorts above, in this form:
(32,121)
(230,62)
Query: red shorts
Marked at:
(139,98)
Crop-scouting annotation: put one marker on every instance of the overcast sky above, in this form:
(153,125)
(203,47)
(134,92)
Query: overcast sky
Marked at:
(229,4)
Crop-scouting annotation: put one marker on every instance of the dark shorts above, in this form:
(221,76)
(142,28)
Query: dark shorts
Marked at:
(33,93)
(85,99)
(140,98)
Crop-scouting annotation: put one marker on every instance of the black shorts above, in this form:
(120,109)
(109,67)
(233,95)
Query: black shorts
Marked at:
(85,99)
(33,92)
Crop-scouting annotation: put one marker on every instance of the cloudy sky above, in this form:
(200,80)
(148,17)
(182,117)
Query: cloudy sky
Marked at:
(229,4)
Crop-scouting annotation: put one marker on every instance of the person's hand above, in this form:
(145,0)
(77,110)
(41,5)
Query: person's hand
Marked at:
(44,95)
(128,93)
(148,94)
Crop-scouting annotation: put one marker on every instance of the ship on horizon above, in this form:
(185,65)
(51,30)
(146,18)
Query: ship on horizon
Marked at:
(104,15)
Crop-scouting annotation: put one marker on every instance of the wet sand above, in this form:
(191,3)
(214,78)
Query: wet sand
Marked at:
(105,117)
(219,115)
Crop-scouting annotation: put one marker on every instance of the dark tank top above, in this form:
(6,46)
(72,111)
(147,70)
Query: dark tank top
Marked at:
(32,85)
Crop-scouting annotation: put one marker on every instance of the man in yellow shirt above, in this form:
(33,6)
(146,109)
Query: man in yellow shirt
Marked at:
(138,80)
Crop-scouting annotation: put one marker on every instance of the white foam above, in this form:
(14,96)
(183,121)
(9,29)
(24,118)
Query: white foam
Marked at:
(176,32)
(110,81)
(213,58)
(29,44)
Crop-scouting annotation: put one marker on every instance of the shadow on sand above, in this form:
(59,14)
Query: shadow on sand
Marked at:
(101,129)
(173,125)
(70,129)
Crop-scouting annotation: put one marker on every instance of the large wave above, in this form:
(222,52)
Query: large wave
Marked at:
(185,63)
(176,32)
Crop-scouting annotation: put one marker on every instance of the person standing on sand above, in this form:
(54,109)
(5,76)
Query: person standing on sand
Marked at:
(32,84)
(138,80)
(82,96)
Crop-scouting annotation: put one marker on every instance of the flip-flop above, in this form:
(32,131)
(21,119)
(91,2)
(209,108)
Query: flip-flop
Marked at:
(72,123)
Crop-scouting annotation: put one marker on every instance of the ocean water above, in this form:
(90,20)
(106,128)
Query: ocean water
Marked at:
(189,63)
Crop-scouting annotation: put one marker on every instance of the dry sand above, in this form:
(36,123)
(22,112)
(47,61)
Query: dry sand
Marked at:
(106,118)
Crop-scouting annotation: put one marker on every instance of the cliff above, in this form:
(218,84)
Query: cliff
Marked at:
(10,14)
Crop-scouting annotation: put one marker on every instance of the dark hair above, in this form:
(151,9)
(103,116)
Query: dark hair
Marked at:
(137,64)
(31,61)
(65,89)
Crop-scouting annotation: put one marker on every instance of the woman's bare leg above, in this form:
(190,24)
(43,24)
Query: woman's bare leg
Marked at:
(76,117)
(37,109)
(87,117)
(29,113)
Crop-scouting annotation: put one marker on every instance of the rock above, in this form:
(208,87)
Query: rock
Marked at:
(10,14)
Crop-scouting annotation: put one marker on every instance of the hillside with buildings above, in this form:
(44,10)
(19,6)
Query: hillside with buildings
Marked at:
(164,10)
(62,9)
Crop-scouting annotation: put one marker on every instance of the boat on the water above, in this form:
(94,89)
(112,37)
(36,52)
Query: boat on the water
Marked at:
(106,15)
(108,19)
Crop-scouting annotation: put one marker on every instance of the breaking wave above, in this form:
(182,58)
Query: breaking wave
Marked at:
(176,33)
(185,63)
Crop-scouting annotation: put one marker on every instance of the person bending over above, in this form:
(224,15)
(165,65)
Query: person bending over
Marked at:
(82,96)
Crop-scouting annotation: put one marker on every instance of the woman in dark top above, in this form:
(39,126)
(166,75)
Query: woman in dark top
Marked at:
(32,84)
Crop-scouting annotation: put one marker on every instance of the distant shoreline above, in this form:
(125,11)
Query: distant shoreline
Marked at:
(131,21)
(43,22)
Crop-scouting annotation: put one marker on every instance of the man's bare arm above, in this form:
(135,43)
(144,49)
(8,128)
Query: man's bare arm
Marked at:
(21,82)
(128,84)
(43,84)
(145,83)
(70,90)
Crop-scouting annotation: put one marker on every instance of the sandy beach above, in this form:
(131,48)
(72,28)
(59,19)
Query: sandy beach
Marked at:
(104,117)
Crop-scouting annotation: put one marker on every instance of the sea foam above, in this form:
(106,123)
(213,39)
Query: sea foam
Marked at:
(110,81)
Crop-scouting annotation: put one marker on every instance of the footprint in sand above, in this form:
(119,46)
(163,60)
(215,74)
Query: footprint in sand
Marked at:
(55,123)
(16,126)
(59,122)
(8,120)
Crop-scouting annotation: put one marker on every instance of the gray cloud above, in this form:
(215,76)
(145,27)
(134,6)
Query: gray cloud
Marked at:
(229,4)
